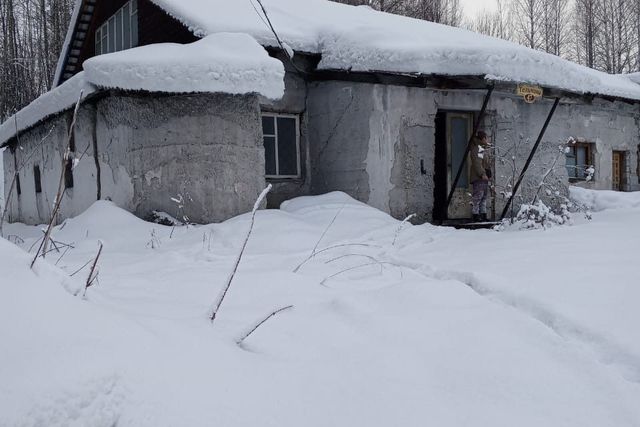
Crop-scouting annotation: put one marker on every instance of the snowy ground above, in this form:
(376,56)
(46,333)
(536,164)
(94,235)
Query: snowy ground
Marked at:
(444,328)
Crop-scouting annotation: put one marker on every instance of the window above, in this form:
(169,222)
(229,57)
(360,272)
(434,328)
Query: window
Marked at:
(18,187)
(36,179)
(281,145)
(120,31)
(579,159)
(68,174)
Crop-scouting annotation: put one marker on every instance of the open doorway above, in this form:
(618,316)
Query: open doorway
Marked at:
(453,131)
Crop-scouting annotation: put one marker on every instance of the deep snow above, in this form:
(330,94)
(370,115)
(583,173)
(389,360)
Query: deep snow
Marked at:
(446,327)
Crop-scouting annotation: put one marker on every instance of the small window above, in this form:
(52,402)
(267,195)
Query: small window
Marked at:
(281,145)
(68,174)
(36,179)
(579,159)
(18,186)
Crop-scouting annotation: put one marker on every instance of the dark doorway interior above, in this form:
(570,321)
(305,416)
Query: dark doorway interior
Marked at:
(440,170)
(453,130)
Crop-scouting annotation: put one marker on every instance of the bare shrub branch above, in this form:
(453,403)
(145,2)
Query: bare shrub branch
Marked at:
(401,226)
(223,293)
(61,185)
(92,277)
(261,322)
(315,248)
(342,245)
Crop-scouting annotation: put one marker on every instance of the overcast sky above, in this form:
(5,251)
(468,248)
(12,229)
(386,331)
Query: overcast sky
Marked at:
(472,7)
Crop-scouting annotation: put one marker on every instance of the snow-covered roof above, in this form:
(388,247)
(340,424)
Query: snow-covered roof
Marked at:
(362,39)
(59,99)
(224,62)
(634,77)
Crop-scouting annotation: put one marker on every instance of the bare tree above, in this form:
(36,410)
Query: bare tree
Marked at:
(496,23)
(447,12)
(556,20)
(528,16)
(585,30)
(32,34)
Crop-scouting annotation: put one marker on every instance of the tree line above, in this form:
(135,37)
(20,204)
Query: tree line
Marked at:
(601,34)
(32,33)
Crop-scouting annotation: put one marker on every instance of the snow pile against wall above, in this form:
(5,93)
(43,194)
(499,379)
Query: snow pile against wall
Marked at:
(361,39)
(48,104)
(229,63)
(599,200)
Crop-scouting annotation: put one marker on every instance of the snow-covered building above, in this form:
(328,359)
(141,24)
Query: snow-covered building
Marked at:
(199,101)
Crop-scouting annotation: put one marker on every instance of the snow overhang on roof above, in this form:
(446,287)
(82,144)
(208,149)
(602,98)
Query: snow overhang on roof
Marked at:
(634,77)
(53,102)
(223,62)
(361,39)
(219,63)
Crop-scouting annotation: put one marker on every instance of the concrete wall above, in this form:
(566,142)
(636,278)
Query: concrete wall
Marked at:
(375,142)
(43,146)
(369,140)
(206,148)
(148,149)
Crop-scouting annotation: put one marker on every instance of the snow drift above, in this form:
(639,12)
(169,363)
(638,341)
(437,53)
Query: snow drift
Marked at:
(431,332)
(599,200)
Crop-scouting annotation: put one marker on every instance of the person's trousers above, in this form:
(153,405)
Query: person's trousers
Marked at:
(479,197)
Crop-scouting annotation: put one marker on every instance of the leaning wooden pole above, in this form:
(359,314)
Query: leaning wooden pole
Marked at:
(476,126)
(530,158)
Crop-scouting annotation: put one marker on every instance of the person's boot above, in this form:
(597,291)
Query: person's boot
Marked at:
(482,217)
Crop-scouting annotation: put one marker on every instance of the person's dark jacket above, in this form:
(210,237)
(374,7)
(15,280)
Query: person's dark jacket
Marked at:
(479,160)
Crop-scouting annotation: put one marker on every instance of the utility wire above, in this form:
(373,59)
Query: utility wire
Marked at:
(273,30)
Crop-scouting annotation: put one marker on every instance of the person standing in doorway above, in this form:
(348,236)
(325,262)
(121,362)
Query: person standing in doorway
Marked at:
(480,175)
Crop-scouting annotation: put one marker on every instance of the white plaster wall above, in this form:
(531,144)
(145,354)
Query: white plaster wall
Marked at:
(384,125)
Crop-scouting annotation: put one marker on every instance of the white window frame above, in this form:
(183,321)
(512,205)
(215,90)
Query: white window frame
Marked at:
(102,33)
(275,129)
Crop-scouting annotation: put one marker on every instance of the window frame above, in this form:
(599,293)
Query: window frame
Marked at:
(275,117)
(103,36)
(590,150)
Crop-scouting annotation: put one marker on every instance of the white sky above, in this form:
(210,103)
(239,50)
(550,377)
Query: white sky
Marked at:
(472,7)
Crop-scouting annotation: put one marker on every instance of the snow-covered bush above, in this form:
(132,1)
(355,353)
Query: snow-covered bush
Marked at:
(539,215)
